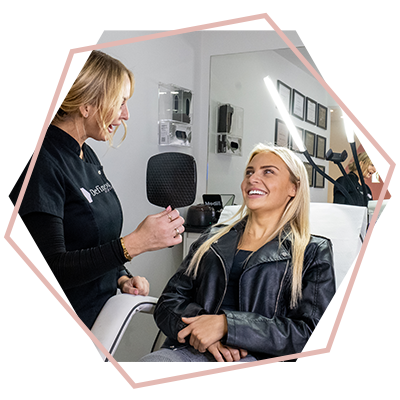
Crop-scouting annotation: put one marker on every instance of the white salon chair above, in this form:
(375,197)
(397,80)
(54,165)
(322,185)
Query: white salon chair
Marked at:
(359,339)
(359,328)
(114,319)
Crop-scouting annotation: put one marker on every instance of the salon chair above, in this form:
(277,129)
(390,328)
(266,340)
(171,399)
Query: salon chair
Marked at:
(360,338)
(346,227)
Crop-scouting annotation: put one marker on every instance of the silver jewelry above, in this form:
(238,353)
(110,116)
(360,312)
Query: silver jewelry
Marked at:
(177,232)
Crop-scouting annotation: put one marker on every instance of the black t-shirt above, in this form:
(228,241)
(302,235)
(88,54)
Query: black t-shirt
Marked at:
(77,192)
(231,299)
(354,189)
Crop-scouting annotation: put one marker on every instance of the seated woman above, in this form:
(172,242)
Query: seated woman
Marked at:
(257,288)
(370,163)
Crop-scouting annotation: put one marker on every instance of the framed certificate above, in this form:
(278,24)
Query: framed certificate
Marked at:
(310,174)
(292,143)
(309,142)
(320,147)
(319,180)
(281,134)
(23,47)
(311,111)
(298,103)
(285,93)
(322,116)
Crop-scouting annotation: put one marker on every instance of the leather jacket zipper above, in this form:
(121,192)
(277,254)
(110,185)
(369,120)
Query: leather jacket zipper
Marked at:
(226,280)
(280,287)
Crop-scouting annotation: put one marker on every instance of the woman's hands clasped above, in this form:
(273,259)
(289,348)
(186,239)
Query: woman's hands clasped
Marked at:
(156,232)
(206,332)
(224,353)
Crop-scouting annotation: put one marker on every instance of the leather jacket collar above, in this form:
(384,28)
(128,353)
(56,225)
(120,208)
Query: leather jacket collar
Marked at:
(273,251)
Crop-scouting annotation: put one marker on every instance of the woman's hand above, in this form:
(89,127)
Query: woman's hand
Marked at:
(156,232)
(136,285)
(224,353)
(204,331)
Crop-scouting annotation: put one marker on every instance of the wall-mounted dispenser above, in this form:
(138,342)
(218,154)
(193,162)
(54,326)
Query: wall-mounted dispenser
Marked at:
(229,129)
(225,116)
(174,115)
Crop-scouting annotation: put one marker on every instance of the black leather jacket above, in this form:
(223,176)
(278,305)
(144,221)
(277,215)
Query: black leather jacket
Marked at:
(264,325)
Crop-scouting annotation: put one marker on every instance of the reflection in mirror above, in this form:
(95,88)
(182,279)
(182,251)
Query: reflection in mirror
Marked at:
(238,79)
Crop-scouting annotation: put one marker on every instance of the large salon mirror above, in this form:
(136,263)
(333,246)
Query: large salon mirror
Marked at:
(237,80)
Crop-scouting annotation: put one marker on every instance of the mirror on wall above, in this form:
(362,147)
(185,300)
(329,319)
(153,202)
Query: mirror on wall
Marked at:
(238,79)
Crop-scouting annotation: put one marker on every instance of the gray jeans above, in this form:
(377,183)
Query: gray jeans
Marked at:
(184,354)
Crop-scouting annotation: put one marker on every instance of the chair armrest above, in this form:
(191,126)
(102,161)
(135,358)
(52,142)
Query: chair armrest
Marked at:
(115,316)
(372,344)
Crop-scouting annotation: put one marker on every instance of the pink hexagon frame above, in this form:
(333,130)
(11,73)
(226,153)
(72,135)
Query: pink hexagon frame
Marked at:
(359,258)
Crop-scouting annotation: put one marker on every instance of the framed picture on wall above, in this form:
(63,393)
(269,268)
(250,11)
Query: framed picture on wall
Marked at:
(319,180)
(293,144)
(23,47)
(310,173)
(309,142)
(322,116)
(311,111)
(285,93)
(298,104)
(320,147)
(281,134)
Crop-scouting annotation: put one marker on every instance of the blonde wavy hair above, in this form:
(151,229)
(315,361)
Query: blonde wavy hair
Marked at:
(99,84)
(364,161)
(294,223)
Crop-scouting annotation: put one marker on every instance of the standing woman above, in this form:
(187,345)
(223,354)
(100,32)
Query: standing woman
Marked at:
(70,207)
(257,288)
(352,183)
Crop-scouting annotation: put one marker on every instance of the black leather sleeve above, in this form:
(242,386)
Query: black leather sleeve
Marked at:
(288,333)
(71,268)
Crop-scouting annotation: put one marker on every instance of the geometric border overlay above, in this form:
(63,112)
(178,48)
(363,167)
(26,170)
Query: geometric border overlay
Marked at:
(232,367)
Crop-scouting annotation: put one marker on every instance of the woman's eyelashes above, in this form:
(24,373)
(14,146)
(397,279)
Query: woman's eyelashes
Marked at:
(266,171)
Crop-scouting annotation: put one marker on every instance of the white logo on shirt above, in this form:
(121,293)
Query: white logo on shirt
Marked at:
(101,189)
(87,195)
(98,189)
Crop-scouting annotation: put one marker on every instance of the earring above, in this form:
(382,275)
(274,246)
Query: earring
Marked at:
(86,115)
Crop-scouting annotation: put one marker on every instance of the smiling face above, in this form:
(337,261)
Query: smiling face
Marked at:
(267,185)
(93,128)
(369,171)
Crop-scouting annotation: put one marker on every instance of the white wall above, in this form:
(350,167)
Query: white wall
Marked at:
(238,79)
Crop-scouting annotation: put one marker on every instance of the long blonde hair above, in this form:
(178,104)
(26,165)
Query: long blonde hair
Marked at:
(99,84)
(293,225)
